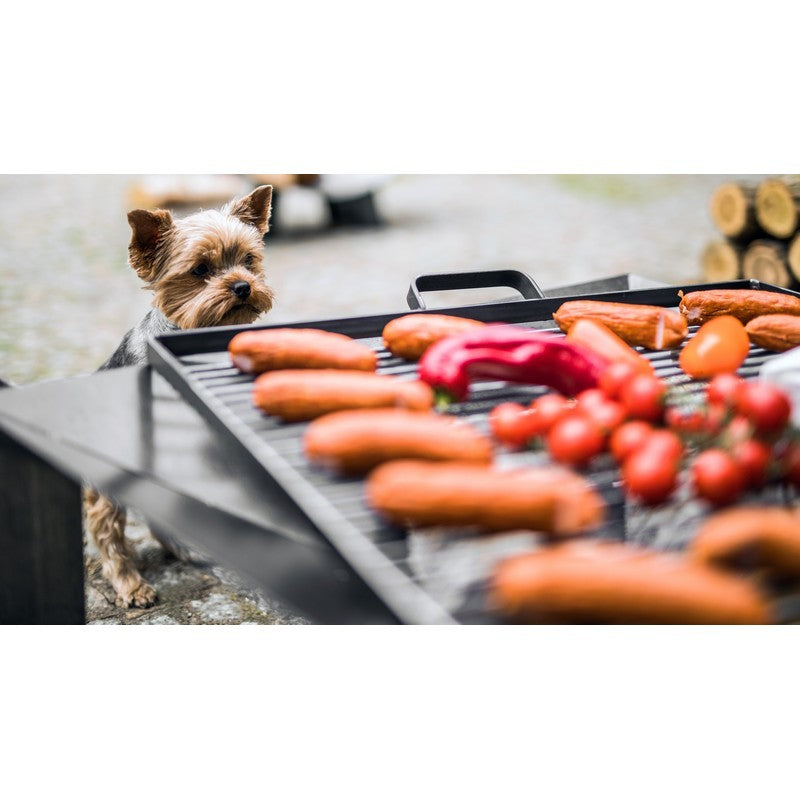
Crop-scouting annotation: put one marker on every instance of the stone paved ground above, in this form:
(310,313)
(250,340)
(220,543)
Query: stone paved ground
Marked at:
(189,593)
(67,296)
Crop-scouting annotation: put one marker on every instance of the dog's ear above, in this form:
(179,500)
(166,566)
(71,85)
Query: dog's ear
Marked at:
(148,229)
(254,209)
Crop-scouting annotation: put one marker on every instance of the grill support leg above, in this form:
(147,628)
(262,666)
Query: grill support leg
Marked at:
(41,541)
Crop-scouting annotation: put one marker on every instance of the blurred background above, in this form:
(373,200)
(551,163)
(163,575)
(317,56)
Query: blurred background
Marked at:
(341,245)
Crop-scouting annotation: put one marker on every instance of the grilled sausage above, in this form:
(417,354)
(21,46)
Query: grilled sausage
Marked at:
(299,348)
(750,538)
(652,327)
(744,304)
(411,335)
(777,332)
(296,395)
(602,341)
(353,442)
(596,581)
(547,499)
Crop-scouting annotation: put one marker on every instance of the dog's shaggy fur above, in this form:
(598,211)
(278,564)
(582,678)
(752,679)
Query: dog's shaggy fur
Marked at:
(204,270)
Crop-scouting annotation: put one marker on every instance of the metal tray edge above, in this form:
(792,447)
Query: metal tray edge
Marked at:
(333,526)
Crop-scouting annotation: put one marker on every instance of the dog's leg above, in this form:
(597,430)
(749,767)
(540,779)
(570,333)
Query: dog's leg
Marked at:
(106,523)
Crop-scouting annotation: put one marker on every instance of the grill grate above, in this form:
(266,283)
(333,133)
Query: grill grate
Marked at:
(423,576)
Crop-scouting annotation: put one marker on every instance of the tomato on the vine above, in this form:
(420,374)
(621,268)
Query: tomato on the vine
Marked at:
(650,476)
(575,440)
(590,397)
(753,458)
(643,397)
(686,419)
(628,438)
(615,376)
(739,429)
(548,409)
(716,415)
(765,406)
(512,424)
(717,477)
(722,389)
(790,464)
(607,415)
(665,442)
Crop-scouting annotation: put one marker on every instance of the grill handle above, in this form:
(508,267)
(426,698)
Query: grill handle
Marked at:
(446,281)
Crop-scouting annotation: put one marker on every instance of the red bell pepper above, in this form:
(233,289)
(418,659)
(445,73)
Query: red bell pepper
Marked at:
(508,353)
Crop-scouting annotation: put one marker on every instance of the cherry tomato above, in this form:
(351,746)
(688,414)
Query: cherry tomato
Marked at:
(716,415)
(721,345)
(649,476)
(643,397)
(739,429)
(575,440)
(695,421)
(665,442)
(717,477)
(686,419)
(512,424)
(608,415)
(764,405)
(628,438)
(752,457)
(787,456)
(615,376)
(548,409)
(722,389)
(590,397)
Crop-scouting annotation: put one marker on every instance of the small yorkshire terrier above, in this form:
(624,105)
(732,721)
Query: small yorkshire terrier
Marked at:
(204,270)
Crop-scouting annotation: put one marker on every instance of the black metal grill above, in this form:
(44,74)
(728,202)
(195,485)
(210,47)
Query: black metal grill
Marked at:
(423,576)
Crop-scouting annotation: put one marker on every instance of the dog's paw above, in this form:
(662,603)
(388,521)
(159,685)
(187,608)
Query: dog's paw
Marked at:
(141,596)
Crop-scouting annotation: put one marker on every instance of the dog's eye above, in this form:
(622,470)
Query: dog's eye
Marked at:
(248,260)
(201,270)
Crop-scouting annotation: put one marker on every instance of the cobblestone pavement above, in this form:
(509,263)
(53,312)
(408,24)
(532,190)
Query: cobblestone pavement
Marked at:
(67,296)
(189,593)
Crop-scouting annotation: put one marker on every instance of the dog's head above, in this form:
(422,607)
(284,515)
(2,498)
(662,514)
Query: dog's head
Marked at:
(205,269)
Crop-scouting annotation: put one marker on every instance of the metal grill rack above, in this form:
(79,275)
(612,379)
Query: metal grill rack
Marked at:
(421,576)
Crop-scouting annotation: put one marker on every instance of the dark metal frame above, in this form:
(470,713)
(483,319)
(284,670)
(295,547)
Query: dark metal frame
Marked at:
(211,340)
(41,552)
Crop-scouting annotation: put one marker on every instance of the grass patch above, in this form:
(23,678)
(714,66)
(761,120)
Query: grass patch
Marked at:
(620,188)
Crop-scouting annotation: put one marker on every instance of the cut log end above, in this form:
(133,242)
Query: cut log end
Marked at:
(793,257)
(766,262)
(721,261)
(732,210)
(777,207)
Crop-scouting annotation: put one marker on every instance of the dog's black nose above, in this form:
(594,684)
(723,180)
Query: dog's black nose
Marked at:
(241,289)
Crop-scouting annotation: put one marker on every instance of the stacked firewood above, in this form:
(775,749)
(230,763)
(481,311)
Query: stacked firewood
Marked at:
(761,226)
